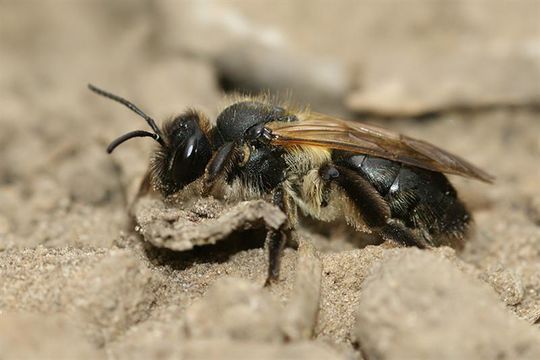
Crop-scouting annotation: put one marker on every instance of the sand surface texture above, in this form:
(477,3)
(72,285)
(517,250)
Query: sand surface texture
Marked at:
(88,272)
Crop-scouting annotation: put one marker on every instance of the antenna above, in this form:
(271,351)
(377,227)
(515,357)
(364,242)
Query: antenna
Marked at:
(157,135)
(130,135)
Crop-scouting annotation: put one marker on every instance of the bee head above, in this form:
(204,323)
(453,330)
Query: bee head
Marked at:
(186,153)
(184,149)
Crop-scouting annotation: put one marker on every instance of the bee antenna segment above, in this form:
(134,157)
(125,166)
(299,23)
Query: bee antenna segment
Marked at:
(131,135)
(157,136)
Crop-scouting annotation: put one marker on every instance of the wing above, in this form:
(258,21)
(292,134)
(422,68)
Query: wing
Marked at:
(323,130)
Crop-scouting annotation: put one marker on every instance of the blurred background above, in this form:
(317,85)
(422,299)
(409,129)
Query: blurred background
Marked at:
(462,74)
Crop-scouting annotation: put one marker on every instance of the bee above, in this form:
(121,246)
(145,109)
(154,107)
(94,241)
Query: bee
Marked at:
(327,167)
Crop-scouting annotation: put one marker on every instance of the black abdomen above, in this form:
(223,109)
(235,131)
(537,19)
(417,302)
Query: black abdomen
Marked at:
(423,200)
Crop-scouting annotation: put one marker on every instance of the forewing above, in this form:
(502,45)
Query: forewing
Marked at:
(322,130)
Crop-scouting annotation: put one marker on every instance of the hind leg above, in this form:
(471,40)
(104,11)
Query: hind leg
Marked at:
(394,230)
(371,206)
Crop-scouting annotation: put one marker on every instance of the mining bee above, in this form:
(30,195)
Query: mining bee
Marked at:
(327,167)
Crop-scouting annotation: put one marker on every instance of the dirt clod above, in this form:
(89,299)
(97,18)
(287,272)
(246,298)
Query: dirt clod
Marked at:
(419,289)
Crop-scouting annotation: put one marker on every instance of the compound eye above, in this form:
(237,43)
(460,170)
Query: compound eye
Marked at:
(191,153)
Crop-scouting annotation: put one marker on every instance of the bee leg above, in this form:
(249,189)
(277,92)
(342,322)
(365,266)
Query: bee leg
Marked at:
(373,208)
(276,239)
(219,161)
(394,230)
(222,159)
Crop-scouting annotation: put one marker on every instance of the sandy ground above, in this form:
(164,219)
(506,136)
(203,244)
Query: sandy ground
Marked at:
(81,278)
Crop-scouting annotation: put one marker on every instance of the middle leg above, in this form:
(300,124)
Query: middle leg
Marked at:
(276,239)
